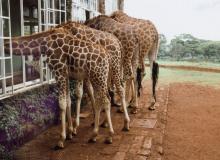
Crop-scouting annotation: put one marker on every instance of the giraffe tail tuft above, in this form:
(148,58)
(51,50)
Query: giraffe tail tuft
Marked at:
(155,73)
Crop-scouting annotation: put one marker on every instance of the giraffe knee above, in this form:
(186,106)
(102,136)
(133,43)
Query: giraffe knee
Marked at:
(62,104)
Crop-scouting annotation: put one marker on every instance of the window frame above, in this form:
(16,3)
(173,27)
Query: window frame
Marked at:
(3,77)
(79,8)
(45,74)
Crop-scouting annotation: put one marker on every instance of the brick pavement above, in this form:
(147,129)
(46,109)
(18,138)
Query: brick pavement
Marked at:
(143,141)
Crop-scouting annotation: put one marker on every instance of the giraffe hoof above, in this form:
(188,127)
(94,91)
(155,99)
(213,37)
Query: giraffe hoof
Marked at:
(56,148)
(115,105)
(152,106)
(70,136)
(108,140)
(92,140)
(74,132)
(104,125)
(125,129)
(134,110)
(129,106)
(59,146)
(120,110)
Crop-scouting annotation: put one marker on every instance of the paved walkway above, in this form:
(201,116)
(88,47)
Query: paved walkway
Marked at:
(143,141)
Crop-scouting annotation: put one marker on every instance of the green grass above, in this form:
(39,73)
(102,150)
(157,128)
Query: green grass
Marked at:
(195,64)
(177,75)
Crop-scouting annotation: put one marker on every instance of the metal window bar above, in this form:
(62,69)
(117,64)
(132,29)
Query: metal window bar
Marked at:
(4,90)
(79,8)
(44,24)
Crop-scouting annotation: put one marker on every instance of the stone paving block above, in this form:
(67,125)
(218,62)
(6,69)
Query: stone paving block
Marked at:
(140,157)
(109,150)
(136,144)
(147,143)
(119,156)
(145,123)
(144,152)
(140,133)
(124,147)
(150,115)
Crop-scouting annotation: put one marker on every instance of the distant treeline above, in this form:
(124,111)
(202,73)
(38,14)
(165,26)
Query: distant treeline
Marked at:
(186,47)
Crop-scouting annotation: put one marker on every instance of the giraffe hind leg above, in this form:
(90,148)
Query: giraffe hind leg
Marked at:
(79,93)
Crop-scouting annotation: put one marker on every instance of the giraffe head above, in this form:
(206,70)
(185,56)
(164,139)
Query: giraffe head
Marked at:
(118,15)
(96,21)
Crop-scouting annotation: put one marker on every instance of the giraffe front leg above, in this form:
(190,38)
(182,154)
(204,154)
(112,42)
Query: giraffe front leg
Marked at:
(96,125)
(91,96)
(69,117)
(134,102)
(62,104)
(79,93)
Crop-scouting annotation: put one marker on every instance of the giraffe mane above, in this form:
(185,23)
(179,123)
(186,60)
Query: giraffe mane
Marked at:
(118,13)
(66,23)
(36,35)
(97,18)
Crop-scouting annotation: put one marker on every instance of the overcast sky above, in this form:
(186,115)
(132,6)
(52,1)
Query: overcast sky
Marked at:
(200,18)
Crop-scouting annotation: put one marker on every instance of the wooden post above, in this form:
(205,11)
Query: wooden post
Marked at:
(68,10)
(121,5)
(101,6)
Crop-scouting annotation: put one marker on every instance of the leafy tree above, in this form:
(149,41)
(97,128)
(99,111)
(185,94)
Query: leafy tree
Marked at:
(163,45)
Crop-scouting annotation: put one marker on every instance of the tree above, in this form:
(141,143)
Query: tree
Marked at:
(163,46)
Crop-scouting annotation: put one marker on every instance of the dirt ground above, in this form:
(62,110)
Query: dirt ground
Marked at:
(185,126)
(139,143)
(193,123)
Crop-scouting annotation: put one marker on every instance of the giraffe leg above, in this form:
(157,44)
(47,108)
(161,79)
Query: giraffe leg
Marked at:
(91,96)
(96,125)
(107,107)
(69,117)
(134,102)
(63,105)
(79,93)
(121,92)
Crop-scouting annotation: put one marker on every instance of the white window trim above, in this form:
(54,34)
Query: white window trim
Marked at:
(26,85)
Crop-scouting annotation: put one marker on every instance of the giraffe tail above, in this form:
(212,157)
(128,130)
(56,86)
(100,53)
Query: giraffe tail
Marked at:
(155,73)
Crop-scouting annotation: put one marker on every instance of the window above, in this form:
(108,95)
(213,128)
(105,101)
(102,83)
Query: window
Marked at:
(53,12)
(6,70)
(84,9)
(20,71)
(110,6)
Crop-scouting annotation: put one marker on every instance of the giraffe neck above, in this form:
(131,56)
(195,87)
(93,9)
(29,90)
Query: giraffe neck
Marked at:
(29,45)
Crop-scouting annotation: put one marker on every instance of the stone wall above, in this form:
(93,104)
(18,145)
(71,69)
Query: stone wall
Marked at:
(25,115)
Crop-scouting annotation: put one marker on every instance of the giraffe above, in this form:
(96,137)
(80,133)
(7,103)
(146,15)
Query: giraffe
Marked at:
(149,44)
(128,37)
(70,58)
(113,47)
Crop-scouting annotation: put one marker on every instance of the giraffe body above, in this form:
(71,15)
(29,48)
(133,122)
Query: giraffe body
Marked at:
(149,43)
(128,37)
(113,47)
(71,58)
